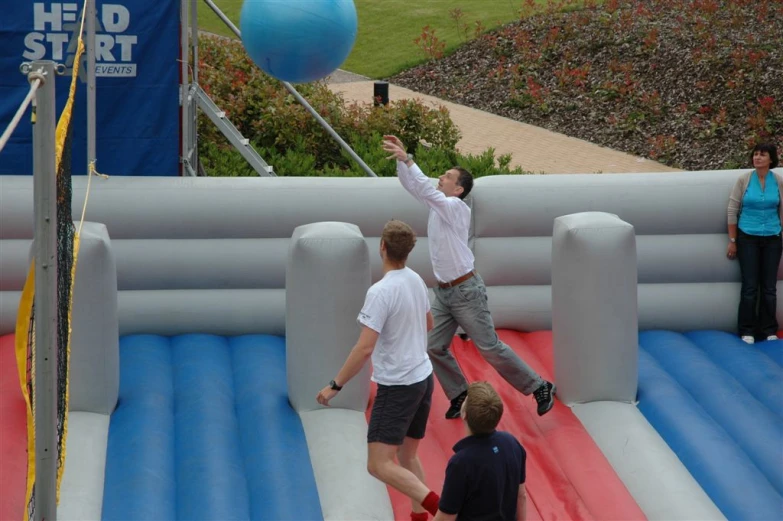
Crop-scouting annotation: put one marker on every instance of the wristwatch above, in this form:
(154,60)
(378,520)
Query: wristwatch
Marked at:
(732,239)
(410,157)
(333,385)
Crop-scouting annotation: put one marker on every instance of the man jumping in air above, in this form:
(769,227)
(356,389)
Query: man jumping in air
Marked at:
(460,295)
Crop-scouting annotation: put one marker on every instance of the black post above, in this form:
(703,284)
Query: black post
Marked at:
(380,93)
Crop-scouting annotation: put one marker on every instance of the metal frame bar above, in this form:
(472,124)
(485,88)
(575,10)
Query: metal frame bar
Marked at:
(242,144)
(193,154)
(45,254)
(184,86)
(300,99)
(91,93)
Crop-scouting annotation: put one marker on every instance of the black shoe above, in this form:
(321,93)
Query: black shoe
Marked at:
(545,397)
(456,406)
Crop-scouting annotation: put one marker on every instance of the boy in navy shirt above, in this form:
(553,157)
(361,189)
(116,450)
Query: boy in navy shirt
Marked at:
(485,478)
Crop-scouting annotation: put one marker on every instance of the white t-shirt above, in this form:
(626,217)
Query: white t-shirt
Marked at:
(396,308)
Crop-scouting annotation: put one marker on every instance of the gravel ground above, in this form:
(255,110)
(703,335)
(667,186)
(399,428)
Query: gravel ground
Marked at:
(689,83)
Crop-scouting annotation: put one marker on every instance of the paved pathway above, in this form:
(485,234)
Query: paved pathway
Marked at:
(532,148)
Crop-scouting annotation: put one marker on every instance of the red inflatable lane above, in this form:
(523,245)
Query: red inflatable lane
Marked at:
(13,437)
(568,476)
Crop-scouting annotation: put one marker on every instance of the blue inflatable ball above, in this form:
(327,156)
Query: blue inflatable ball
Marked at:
(298,41)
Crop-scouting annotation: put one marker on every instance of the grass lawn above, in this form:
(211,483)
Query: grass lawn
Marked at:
(387,28)
(208,21)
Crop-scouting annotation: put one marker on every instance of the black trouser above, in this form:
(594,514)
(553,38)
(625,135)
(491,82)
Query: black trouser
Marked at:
(759,258)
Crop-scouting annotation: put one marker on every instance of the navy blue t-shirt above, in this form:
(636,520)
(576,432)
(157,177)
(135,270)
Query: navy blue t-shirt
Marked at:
(483,478)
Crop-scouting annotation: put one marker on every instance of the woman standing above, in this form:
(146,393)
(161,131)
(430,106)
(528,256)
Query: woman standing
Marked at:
(754,217)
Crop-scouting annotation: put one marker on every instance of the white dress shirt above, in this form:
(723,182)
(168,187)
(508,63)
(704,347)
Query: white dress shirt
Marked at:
(448,225)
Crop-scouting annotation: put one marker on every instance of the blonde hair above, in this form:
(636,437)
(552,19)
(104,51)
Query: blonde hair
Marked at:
(399,239)
(483,408)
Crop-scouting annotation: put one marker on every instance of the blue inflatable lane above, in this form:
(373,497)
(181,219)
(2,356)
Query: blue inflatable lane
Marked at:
(274,448)
(750,366)
(203,431)
(210,471)
(140,480)
(734,406)
(773,349)
(728,440)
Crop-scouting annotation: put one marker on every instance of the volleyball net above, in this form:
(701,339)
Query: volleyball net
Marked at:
(67,247)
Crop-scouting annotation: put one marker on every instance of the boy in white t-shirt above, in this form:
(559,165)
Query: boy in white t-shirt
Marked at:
(395,319)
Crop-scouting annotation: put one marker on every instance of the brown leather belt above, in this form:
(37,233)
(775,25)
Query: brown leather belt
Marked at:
(456,281)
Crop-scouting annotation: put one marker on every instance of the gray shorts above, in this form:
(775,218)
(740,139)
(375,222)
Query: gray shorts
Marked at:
(400,411)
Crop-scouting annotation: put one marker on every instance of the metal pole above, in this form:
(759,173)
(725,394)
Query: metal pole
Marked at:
(185,85)
(90,23)
(194,37)
(194,102)
(45,254)
(330,130)
(301,100)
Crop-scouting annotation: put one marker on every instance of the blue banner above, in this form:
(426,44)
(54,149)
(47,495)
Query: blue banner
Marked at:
(137,82)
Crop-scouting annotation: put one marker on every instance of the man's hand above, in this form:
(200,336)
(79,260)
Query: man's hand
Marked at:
(395,140)
(326,394)
(394,146)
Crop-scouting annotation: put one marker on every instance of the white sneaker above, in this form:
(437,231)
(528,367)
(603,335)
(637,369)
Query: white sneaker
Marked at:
(749,339)
(772,337)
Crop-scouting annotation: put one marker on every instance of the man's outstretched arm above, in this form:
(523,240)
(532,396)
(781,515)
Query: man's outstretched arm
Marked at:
(413,179)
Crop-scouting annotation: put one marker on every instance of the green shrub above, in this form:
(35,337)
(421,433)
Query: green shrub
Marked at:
(292,141)
(218,160)
(227,162)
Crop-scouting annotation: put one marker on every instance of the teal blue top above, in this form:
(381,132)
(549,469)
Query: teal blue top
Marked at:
(759,215)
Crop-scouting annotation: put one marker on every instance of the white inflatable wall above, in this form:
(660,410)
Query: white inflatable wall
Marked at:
(215,249)
(595,329)
(210,255)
